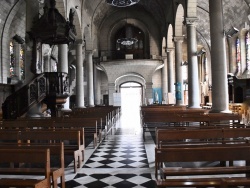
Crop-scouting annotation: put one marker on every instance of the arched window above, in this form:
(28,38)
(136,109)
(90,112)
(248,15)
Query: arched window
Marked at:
(12,60)
(238,59)
(21,63)
(248,51)
(17,61)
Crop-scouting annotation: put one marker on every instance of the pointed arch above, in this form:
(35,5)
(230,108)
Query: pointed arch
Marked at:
(4,40)
(179,20)
(164,46)
(170,43)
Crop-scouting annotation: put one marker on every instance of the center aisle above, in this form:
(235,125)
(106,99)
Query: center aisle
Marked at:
(121,160)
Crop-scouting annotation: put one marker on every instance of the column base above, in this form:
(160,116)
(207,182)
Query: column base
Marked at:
(194,107)
(220,111)
(66,110)
(80,107)
(179,103)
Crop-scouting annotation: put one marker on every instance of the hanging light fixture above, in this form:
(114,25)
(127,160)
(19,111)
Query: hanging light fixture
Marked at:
(122,3)
(128,40)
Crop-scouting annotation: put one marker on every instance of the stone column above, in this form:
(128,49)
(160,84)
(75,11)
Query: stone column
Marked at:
(178,70)
(89,55)
(193,73)
(218,58)
(144,99)
(63,58)
(97,86)
(79,76)
(170,70)
(165,79)
(63,67)
(32,9)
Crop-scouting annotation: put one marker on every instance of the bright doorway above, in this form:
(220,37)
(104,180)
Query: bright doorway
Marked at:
(131,95)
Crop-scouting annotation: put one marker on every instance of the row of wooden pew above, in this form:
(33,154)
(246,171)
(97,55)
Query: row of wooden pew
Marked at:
(210,147)
(55,138)
(26,159)
(167,116)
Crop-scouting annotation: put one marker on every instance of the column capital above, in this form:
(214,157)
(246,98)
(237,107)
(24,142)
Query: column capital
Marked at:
(178,39)
(191,20)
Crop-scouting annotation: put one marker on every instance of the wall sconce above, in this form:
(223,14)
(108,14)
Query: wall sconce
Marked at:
(231,32)
(18,39)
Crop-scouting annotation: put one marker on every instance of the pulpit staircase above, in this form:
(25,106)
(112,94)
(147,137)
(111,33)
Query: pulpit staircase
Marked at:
(51,88)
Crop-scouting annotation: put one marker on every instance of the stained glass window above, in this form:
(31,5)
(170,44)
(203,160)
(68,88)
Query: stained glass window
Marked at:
(248,51)
(238,59)
(12,60)
(21,63)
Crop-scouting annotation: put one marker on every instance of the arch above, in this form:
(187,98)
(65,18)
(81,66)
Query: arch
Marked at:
(5,38)
(117,19)
(164,46)
(179,18)
(170,43)
(122,23)
(130,77)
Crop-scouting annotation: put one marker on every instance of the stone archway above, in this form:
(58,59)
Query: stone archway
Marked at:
(132,77)
(19,5)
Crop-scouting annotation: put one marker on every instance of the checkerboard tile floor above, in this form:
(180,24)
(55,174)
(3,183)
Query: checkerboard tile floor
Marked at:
(112,181)
(121,160)
(119,153)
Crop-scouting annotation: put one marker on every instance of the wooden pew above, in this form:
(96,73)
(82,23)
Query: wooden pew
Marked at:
(166,119)
(163,119)
(236,135)
(222,117)
(56,150)
(31,156)
(165,137)
(198,137)
(55,123)
(92,126)
(46,137)
(189,136)
(108,116)
(203,153)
